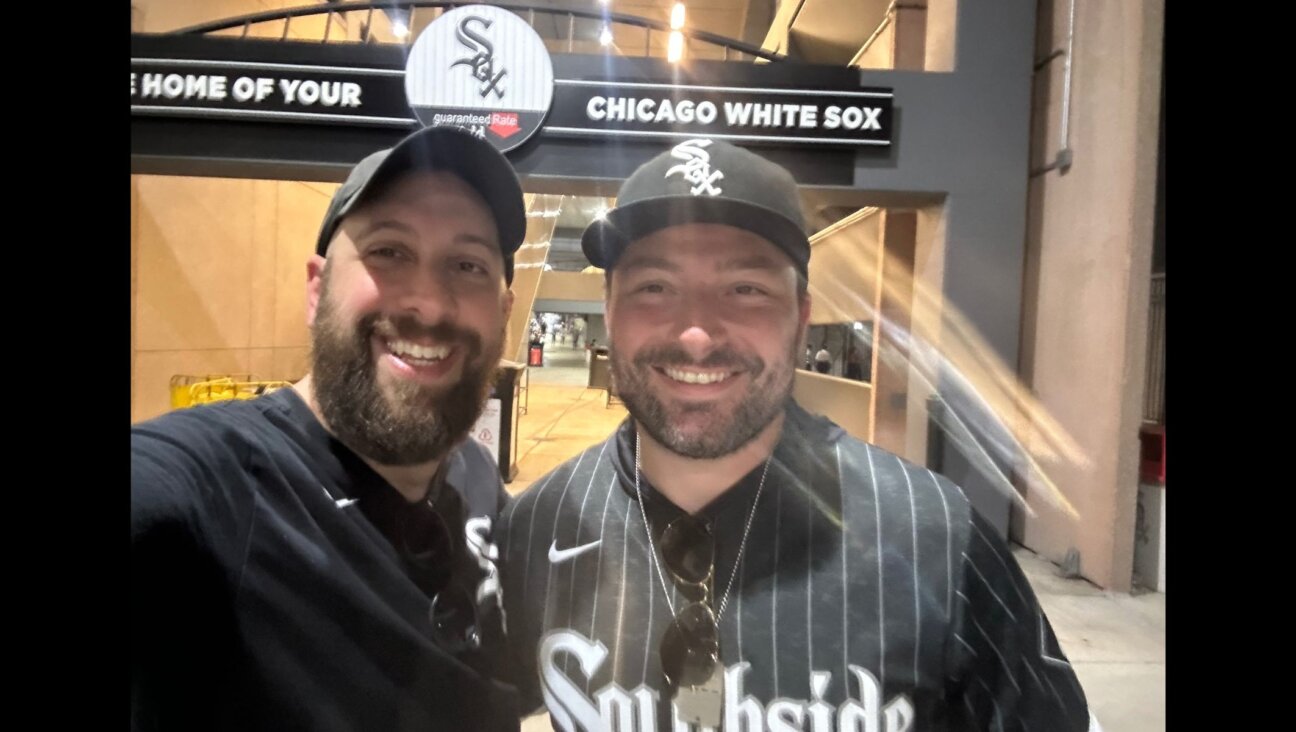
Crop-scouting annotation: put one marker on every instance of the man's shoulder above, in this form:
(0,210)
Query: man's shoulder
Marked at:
(902,484)
(207,429)
(583,465)
(474,458)
(224,421)
(859,456)
(190,465)
(473,472)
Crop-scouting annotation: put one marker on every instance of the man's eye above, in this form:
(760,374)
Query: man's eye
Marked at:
(386,252)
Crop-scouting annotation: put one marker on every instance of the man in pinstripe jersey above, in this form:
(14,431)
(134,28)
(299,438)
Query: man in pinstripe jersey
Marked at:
(846,589)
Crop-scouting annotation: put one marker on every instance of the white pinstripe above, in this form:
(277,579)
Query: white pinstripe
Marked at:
(949,553)
(526,565)
(580,521)
(997,719)
(968,561)
(554,533)
(913,524)
(881,591)
(598,574)
(845,587)
(625,553)
(993,647)
(1034,675)
(1004,562)
(1061,702)
(778,509)
(809,587)
(648,628)
(1039,616)
(742,580)
(507,517)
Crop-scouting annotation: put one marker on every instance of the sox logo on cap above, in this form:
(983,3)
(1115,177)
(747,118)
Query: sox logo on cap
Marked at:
(698,168)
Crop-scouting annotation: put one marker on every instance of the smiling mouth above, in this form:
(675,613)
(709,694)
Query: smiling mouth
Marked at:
(415,354)
(689,376)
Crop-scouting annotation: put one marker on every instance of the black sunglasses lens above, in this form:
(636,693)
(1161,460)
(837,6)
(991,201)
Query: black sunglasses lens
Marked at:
(688,550)
(454,619)
(424,538)
(691,647)
(427,547)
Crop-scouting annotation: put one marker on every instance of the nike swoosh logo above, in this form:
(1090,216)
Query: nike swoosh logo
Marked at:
(557,555)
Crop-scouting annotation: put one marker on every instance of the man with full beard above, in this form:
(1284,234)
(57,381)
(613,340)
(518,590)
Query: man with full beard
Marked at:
(318,558)
(726,560)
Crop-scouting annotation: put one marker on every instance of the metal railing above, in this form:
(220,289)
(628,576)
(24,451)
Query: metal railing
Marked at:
(345,11)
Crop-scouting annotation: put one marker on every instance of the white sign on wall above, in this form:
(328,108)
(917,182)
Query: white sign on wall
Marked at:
(487,429)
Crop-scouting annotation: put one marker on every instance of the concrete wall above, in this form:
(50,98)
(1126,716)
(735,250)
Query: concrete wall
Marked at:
(1088,270)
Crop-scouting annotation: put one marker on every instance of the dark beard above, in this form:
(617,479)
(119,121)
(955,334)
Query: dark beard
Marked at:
(764,401)
(415,424)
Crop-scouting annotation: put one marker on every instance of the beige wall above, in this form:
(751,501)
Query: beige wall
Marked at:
(859,267)
(890,365)
(1087,274)
(585,286)
(940,25)
(528,264)
(843,269)
(844,401)
(776,39)
(925,323)
(880,54)
(525,282)
(909,41)
(898,43)
(218,269)
(160,16)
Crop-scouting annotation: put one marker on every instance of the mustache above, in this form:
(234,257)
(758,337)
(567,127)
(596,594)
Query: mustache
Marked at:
(674,355)
(407,327)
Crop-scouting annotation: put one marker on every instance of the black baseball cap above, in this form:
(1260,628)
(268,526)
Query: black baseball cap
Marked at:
(703,181)
(439,148)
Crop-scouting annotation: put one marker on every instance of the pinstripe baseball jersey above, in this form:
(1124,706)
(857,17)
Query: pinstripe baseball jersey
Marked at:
(871,596)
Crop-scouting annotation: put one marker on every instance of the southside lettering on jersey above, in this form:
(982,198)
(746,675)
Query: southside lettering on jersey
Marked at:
(614,708)
(871,597)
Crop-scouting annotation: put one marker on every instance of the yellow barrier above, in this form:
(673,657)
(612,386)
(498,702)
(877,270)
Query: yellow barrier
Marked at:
(188,391)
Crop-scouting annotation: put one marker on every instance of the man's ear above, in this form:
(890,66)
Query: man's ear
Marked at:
(314,286)
(507,304)
(803,319)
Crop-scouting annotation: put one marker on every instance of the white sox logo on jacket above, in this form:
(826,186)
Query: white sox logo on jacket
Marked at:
(614,708)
